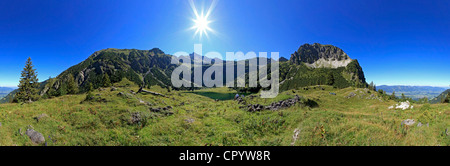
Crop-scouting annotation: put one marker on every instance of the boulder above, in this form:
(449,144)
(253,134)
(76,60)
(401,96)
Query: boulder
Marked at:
(35,136)
(408,122)
(402,106)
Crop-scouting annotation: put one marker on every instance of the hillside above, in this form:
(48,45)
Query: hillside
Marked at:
(118,116)
(4,91)
(439,98)
(414,92)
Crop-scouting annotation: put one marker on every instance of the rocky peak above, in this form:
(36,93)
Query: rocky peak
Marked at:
(319,55)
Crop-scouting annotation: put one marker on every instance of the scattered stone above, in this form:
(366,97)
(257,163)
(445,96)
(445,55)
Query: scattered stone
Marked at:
(274,106)
(0,124)
(295,136)
(241,101)
(132,92)
(135,117)
(20,131)
(419,124)
(113,88)
(284,104)
(350,95)
(35,136)
(190,120)
(372,96)
(255,107)
(39,117)
(446,132)
(408,122)
(164,110)
(331,93)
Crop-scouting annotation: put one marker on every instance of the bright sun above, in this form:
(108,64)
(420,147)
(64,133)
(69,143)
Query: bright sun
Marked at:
(201,21)
(201,25)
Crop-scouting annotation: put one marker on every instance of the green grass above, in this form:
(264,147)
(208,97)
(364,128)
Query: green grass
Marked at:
(199,120)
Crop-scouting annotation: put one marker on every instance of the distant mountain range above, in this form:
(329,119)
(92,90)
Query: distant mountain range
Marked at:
(414,92)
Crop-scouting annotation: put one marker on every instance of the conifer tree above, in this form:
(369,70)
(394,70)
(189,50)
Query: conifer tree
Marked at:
(106,80)
(90,87)
(72,86)
(393,96)
(28,86)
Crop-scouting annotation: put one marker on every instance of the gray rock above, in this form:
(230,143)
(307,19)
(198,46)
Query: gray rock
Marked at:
(190,120)
(350,95)
(0,124)
(39,117)
(408,122)
(113,88)
(331,93)
(295,136)
(419,124)
(164,110)
(35,136)
(135,117)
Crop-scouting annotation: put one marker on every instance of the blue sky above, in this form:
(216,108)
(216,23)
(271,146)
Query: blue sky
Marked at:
(396,42)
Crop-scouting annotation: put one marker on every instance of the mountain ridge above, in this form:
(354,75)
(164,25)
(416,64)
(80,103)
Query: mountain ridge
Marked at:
(153,67)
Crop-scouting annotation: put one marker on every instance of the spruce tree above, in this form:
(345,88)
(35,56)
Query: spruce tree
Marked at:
(90,87)
(28,86)
(393,96)
(72,86)
(106,80)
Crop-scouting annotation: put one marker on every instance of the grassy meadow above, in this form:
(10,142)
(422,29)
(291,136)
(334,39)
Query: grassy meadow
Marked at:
(199,120)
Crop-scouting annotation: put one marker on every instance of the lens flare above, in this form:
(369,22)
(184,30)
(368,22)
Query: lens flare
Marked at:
(201,20)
